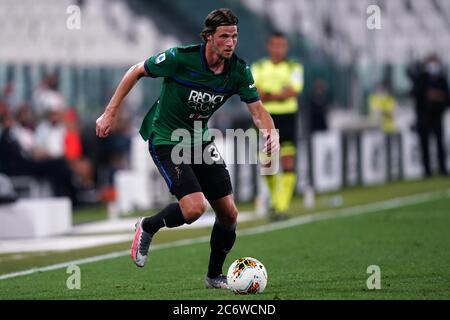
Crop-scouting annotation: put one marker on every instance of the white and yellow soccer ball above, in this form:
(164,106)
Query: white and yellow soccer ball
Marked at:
(247,276)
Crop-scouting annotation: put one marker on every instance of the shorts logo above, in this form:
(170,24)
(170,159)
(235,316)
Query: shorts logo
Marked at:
(215,156)
(178,170)
(160,58)
(203,101)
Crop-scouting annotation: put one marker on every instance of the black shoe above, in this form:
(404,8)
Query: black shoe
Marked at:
(219,282)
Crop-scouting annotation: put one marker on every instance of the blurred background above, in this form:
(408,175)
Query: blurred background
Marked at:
(362,119)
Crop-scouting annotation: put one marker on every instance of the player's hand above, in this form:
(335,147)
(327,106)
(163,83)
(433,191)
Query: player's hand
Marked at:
(272,144)
(103,125)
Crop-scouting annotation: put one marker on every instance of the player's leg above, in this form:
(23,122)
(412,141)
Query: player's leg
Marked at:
(190,206)
(223,236)
(216,184)
(287,178)
(273,180)
(187,210)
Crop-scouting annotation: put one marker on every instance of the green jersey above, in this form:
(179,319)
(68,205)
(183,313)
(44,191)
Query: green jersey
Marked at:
(191,93)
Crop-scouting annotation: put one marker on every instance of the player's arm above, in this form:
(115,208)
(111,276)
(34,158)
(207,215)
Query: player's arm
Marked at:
(290,90)
(105,122)
(287,92)
(264,122)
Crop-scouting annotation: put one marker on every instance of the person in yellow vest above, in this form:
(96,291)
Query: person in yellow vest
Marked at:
(382,107)
(279,81)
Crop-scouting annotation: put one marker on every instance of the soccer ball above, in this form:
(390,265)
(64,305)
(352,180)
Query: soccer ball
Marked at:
(247,275)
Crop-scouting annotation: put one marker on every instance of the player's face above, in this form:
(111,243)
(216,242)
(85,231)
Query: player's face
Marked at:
(224,40)
(277,48)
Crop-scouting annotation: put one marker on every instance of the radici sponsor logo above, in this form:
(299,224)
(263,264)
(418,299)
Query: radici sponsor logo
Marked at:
(203,101)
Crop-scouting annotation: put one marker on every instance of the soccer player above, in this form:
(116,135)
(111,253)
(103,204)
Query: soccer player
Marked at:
(198,79)
(280,81)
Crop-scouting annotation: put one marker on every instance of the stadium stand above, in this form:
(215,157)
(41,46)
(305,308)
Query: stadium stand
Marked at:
(110,33)
(409,28)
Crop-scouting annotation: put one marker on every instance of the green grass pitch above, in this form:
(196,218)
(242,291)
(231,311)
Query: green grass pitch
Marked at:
(325,259)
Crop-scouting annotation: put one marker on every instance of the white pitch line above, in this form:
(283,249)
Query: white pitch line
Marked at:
(325,215)
(349,211)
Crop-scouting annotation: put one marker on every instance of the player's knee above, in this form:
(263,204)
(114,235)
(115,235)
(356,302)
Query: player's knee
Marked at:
(229,218)
(195,211)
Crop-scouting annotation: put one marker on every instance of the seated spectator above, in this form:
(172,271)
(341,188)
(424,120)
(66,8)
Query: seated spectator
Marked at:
(23,129)
(73,150)
(46,95)
(50,133)
(59,138)
(15,161)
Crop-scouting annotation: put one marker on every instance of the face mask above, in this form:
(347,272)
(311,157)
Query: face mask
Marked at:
(433,68)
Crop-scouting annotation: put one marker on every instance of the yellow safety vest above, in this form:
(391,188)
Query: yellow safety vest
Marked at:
(272,78)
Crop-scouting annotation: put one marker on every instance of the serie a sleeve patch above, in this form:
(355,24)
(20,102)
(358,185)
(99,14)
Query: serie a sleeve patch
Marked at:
(160,58)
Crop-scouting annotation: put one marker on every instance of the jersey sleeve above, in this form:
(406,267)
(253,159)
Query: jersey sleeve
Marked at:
(247,88)
(163,64)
